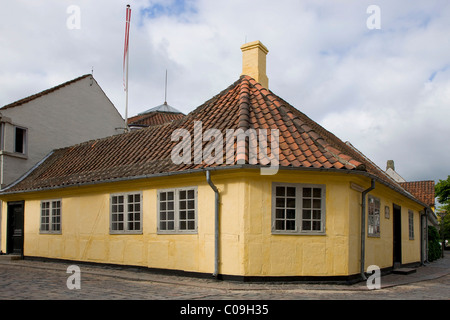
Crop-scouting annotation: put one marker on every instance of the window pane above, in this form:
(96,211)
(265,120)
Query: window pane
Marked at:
(290,191)
(317,203)
(191,225)
(182,195)
(316,225)
(290,224)
(290,202)
(306,225)
(316,214)
(280,202)
(307,192)
(306,214)
(290,214)
(280,191)
(279,225)
(182,205)
(191,194)
(306,203)
(191,204)
(279,213)
(317,192)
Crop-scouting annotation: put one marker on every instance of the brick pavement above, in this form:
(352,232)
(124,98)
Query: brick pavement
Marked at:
(27,279)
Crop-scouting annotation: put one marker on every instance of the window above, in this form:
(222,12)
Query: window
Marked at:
(177,210)
(51,216)
(20,140)
(2,136)
(298,208)
(126,213)
(411,224)
(373,220)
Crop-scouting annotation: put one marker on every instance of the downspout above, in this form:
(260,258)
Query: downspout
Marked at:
(363,227)
(216,224)
(424,237)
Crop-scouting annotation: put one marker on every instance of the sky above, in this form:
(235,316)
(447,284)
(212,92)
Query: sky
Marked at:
(375,73)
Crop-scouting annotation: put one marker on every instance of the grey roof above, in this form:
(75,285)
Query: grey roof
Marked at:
(162,108)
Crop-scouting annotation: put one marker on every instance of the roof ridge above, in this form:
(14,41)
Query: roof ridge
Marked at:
(44,92)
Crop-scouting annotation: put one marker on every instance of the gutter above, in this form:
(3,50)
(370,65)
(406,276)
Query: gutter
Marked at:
(216,224)
(232,167)
(363,227)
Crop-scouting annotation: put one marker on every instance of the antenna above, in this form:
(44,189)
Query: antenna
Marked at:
(92,76)
(165,90)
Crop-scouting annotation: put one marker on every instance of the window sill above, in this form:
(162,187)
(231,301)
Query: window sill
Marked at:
(276,233)
(14,154)
(177,232)
(126,233)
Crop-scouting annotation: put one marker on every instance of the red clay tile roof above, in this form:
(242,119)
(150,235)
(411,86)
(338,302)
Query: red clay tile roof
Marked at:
(422,190)
(244,105)
(40,94)
(154,118)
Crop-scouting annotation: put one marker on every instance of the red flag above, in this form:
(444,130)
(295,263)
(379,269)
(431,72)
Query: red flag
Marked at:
(127,34)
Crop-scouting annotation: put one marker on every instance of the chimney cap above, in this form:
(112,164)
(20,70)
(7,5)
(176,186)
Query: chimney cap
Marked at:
(254,44)
(390,164)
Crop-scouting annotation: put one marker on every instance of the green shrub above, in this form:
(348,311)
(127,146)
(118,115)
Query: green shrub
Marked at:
(434,248)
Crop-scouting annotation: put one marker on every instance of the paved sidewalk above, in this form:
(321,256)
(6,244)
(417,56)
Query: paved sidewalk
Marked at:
(431,271)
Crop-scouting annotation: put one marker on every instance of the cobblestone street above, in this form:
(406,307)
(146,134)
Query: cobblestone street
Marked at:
(24,279)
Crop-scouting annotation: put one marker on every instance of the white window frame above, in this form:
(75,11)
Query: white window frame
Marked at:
(373,216)
(299,207)
(177,211)
(411,224)
(54,212)
(24,140)
(126,212)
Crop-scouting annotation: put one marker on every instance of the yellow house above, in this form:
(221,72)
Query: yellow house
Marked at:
(192,196)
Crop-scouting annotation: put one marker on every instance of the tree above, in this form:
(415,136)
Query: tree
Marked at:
(434,249)
(442,191)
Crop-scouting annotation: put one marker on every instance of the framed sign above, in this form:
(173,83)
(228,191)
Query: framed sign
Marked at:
(386,212)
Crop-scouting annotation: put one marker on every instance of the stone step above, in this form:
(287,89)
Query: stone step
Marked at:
(404,271)
(9,257)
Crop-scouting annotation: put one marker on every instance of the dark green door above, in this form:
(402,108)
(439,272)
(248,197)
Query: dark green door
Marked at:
(14,241)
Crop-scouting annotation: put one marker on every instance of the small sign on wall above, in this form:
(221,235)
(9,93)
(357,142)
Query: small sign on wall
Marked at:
(387,213)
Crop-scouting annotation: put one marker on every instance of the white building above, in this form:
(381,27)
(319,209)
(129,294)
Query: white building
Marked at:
(70,113)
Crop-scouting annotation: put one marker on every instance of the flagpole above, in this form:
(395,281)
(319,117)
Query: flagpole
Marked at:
(127,46)
(126,95)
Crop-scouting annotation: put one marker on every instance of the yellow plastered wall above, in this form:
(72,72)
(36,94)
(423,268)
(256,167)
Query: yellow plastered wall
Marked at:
(379,249)
(85,218)
(247,245)
(270,254)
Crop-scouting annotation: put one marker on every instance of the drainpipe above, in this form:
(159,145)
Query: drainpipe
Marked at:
(363,227)
(216,223)
(424,237)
